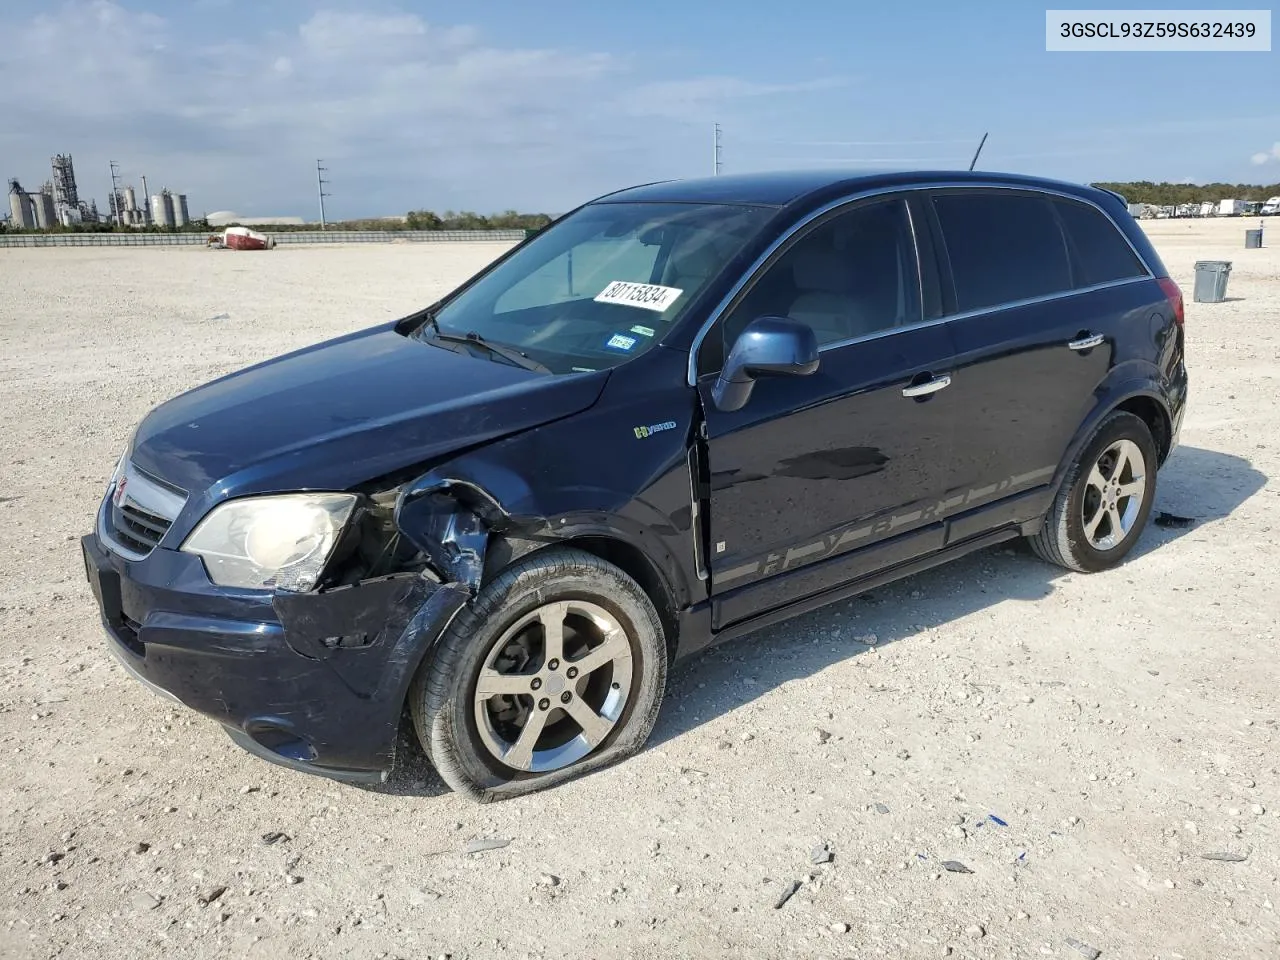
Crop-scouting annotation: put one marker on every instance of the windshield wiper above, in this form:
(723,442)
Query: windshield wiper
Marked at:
(510,354)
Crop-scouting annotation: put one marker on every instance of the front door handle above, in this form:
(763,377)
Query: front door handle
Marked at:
(1087,343)
(928,387)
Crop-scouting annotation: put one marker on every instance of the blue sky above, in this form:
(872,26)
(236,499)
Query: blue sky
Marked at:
(538,106)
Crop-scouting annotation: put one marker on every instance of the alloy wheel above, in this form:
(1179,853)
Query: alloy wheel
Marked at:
(553,686)
(1113,495)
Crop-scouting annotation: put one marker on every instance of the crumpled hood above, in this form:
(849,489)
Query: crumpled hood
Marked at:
(343,412)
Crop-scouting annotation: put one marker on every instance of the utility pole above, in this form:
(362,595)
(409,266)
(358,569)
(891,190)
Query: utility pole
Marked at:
(146,203)
(115,194)
(321,183)
(716,142)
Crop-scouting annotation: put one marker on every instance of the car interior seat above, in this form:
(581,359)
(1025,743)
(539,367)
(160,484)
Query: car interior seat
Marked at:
(825,300)
(849,279)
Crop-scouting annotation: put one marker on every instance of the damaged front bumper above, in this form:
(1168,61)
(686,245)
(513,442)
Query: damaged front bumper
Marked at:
(313,681)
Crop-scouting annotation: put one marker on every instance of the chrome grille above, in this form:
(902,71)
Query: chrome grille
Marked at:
(137,513)
(137,528)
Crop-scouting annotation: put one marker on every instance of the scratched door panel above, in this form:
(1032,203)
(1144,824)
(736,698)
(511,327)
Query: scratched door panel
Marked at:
(821,465)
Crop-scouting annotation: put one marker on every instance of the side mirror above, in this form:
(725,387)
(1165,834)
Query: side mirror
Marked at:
(768,347)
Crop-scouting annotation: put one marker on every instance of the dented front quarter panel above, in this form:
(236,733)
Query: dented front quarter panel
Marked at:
(595,474)
(449,520)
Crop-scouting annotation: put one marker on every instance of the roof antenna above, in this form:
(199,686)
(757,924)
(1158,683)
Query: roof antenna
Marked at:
(978,151)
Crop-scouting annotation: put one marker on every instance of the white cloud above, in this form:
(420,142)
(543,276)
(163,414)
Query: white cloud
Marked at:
(337,33)
(1266,156)
(405,112)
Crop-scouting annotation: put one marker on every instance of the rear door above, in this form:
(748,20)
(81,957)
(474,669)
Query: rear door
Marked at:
(1040,289)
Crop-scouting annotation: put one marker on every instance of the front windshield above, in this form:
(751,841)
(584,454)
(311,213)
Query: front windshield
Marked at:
(602,285)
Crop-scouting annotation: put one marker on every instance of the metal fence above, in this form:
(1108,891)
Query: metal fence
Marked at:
(300,236)
(386,236)
(102,239)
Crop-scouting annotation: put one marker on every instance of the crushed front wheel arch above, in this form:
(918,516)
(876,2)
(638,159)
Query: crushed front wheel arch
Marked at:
(450,523)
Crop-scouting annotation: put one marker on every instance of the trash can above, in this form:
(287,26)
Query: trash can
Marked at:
(1211,281)
(1253,239)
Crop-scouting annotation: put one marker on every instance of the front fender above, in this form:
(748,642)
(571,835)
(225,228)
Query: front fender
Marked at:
(618,472)
(472,518)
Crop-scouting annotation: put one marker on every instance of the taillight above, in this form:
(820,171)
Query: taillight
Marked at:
(1174,294)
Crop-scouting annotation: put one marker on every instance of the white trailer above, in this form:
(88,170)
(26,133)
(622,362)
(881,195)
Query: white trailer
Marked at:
(1271,208)
(1208,208)
(1230,208)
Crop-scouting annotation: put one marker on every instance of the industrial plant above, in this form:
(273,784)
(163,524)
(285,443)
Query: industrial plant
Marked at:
(163,209)
(57,203)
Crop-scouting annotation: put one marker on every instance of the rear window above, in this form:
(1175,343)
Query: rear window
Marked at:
(1101,253)
(1002,247)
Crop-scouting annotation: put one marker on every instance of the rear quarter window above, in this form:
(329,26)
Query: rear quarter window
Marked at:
(1101,253)
(1003,247)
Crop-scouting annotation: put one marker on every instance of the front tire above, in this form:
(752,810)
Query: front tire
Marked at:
(556,668)
(1105,500)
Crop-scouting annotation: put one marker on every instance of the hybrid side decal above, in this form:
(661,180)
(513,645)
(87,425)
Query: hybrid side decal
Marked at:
(842,539)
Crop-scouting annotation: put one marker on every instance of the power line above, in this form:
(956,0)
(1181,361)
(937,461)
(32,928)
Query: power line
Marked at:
(716,167)
(321,183)
(856,143)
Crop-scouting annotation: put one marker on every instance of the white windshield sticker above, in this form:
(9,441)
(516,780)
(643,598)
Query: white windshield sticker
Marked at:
(649,296)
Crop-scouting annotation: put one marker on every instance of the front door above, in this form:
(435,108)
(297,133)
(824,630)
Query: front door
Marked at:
(820,479)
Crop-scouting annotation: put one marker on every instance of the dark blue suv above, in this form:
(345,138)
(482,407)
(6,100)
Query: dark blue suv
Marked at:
(681,412)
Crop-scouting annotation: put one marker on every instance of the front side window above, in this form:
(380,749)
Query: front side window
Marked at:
(603,285)
(1003,247)
(851,276)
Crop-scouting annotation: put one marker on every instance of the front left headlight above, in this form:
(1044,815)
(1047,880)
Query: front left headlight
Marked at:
(271,543)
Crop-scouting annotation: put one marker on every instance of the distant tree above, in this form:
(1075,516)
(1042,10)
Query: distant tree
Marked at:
(468,220)
(423,220)
(1172,194)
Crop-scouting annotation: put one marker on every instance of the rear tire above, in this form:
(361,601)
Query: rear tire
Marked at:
(1105,499)
(556,668)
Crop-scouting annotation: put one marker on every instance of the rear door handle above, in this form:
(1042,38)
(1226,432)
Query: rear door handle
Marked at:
(928,387)
(1087,343)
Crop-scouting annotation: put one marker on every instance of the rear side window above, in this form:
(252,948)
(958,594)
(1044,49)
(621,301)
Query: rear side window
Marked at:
(1002,247)
(1101,253)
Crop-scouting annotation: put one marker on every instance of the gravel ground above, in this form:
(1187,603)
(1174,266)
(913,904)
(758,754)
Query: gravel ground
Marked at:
(1122,727)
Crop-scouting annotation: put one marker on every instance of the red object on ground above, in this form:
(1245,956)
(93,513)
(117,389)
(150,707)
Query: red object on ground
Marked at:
(242,238)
